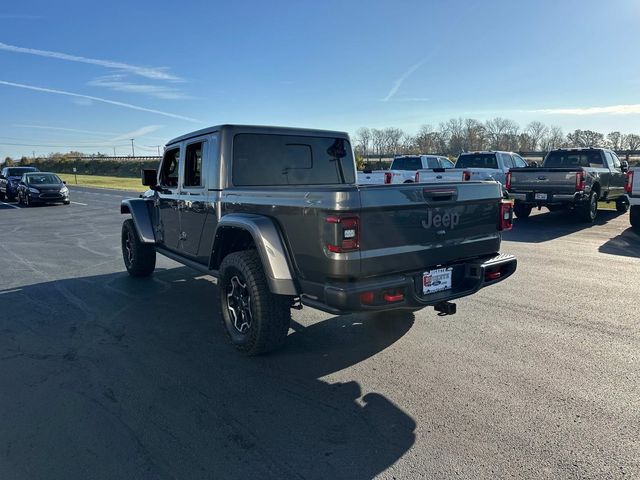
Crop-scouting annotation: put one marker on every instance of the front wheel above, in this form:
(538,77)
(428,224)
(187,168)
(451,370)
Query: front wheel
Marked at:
(139,258)
(256,320)
(589,211)
(634,217)
(521,210)
(622,204)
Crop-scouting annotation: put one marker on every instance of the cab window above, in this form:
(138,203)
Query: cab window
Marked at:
(446,163)
(616,160)
(519,161)
(169,170)
(193,165)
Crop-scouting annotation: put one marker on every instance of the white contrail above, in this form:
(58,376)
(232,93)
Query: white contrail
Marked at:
(612,109)
(63,129)
(140,132)
(98,99)
(398,83)
(148,72)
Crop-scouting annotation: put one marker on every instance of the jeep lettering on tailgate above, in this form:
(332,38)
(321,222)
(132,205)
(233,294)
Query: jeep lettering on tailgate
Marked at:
(446,220)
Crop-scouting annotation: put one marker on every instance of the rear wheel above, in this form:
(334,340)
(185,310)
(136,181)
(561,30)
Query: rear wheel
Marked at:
(256,320)
(634,217)
(521,210)
(589,211)
(139,258)
(622,204)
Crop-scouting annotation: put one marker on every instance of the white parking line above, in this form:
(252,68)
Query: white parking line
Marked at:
(78,203)
(8,205)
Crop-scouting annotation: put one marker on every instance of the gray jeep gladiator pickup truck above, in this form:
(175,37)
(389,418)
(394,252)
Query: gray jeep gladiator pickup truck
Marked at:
(275,214)
(575,178)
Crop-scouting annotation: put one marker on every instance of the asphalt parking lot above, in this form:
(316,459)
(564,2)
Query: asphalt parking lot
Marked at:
(104,376)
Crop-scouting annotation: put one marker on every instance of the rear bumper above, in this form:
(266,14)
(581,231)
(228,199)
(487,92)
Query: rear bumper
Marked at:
(467,278)
(552,198)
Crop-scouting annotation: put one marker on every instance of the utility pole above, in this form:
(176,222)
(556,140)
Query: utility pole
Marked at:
(158,149)
(34,154)
(133,152)
(114,151)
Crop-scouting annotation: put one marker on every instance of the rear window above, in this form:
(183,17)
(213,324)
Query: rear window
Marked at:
(586,158)
(477,160)
(261,159)
(407,163)
(18,171)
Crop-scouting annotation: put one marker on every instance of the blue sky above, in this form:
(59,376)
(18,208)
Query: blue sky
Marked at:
(91,75)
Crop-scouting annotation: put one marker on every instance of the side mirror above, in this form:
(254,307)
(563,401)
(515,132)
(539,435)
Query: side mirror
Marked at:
(64,182)
(149,177)
(624,166)
(533,164)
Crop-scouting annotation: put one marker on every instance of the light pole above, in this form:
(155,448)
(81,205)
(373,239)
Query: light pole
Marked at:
(133,152)
(114,151)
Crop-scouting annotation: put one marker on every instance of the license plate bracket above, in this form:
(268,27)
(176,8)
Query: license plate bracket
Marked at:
(437,280)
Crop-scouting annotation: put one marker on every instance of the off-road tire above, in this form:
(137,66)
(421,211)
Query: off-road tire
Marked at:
(634,218)
(270,314)
(139,258)
(622,204)
(522,211)
(589,211)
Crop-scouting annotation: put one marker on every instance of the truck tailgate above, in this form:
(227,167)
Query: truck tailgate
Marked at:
(544,180)
(438,175)
(418,226)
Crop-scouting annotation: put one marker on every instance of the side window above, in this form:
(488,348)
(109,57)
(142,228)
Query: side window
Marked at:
(609,158)
(169,169)
(446,163)
(616,160)
(193,165)
(432,162)
(506,160)
(518,161)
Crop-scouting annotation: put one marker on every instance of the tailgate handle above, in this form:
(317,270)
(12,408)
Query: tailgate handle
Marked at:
(439,194)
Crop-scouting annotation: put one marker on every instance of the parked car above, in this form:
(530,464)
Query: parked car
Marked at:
(403,168)
(487,165)
(571,179)
(9,179)
(276,216)
(632,188)
(42,187)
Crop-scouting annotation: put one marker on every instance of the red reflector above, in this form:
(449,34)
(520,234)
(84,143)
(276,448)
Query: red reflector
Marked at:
(466,176)
(505,221)
(387,177)
(492,275)
(394,298)
(507,183)
(367,298)
(417,177)
(333,248)
(628,187)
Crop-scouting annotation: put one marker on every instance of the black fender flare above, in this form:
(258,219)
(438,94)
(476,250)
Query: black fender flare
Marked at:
(269,245)
(141,215)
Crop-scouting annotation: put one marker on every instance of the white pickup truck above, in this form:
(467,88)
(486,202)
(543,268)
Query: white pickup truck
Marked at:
(632,188)
(475,166)
(404,168)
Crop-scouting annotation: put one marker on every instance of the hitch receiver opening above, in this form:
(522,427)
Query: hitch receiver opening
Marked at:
(445,308)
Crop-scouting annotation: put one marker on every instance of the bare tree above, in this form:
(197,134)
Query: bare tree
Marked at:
(554,138)
(535,132)
(502,133)
(632,141)
(615,140)
(363,141)
(474,135)
(585,138)
(392,139)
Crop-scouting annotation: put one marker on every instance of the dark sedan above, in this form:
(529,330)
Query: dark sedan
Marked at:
(42,187)
(9,179)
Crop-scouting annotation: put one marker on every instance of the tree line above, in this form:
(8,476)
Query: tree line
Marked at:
(459,135)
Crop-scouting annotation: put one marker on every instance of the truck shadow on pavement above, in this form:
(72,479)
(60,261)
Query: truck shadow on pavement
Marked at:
(627,244)
(114,377)
(545,226)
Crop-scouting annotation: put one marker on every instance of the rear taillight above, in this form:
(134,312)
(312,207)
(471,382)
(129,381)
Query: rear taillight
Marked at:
(417,179)
(628,187)
(387,177)
(466,176)
(505,221)
(580,182)
(346,236)
(507,182)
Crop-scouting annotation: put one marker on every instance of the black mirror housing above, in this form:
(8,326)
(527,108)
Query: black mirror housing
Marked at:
(149,177)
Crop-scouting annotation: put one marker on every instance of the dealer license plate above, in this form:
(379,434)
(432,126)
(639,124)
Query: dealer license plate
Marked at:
(541,196)
(436,280)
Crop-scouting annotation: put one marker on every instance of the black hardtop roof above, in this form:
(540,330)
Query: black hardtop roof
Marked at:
(274,130)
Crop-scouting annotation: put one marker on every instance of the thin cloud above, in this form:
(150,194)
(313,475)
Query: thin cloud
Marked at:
(140,132)
(118,83)
(612,110)
(147,72)
(98,99)
(63,129)
(398,83)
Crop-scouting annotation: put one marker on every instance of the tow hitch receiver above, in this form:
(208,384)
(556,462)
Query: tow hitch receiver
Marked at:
(445,308)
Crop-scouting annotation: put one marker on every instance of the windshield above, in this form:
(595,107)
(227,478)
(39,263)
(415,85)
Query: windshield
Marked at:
(584,158)
(477,160)
(19,171)
(407,163)
(42,179)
